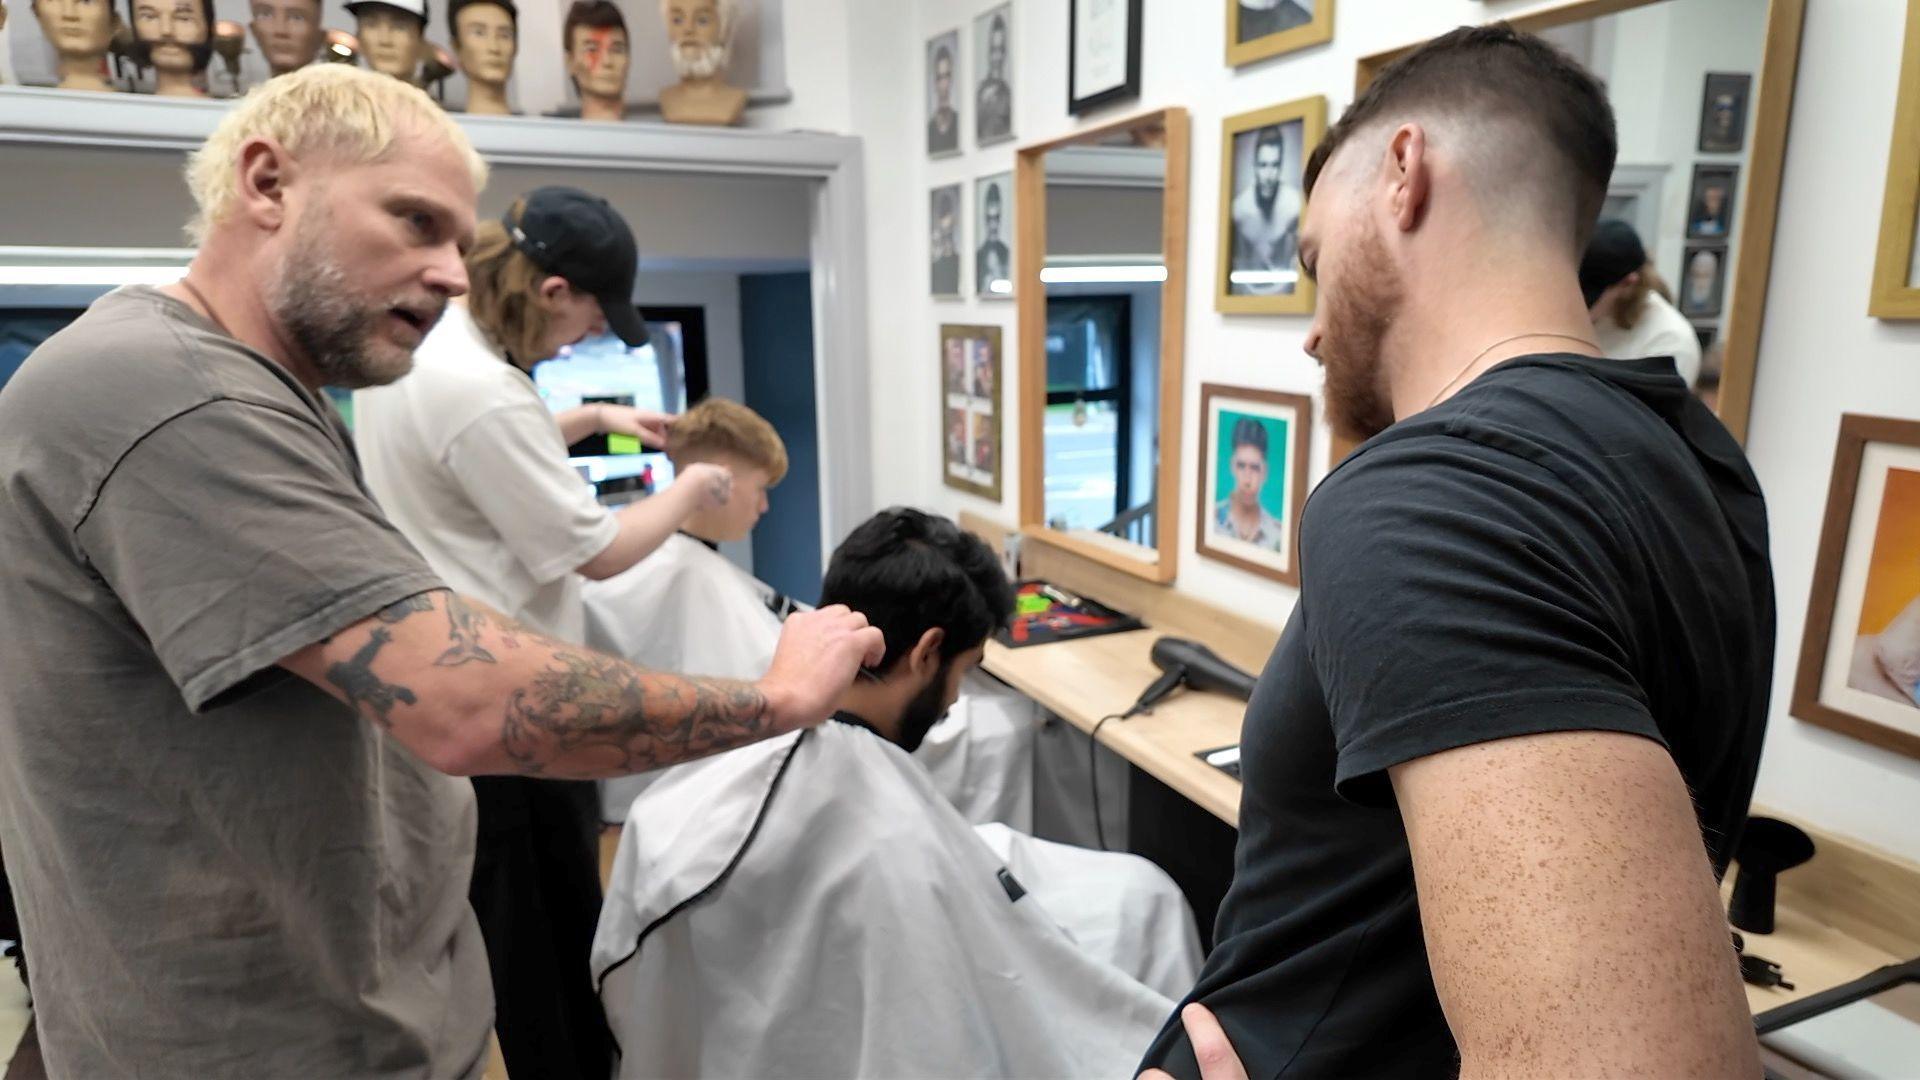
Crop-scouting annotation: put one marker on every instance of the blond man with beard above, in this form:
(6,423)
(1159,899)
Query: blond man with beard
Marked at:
(1506,742)
(699,33)
(236,706)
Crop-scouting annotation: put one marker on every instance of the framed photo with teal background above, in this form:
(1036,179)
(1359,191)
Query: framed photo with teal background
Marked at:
(1253,478)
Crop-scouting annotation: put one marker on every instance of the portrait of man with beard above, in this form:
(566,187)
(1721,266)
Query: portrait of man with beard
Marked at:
(699,33)
(1266,214)
(943,120)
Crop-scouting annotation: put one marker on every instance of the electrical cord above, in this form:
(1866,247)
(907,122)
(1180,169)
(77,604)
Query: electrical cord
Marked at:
(1093,770)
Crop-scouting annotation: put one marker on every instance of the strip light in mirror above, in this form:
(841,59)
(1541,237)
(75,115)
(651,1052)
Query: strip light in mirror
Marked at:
(1268,278)
(1101,275)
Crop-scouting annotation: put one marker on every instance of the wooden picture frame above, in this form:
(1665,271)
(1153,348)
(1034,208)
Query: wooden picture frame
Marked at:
(972,454)
(1263,409)
(1240,147)
(1896,278)
(1771,112)
(1876,475)
(1084,99)
(1317,30)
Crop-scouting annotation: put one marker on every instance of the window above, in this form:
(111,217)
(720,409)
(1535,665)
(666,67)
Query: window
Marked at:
(1088,430)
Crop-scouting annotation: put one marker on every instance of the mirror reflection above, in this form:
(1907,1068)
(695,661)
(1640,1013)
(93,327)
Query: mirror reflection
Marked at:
(1683,77)
(1103,276)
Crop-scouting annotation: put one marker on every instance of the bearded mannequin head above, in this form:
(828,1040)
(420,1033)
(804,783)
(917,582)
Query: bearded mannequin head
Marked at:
(392,36)
(81,32)
(486,39)
(699,35)
(175,39)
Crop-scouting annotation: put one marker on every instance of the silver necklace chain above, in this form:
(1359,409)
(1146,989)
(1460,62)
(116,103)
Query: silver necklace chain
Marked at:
(1482,355)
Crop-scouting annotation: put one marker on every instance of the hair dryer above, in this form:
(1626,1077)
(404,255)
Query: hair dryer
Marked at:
(1190,663)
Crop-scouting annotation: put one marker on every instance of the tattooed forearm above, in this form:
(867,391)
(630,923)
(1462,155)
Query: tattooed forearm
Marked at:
(588,715)
(464,623)
(364,690)
(400,609)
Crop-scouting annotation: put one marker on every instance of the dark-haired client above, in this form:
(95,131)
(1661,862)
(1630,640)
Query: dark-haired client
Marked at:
(819,909)
(1506,742)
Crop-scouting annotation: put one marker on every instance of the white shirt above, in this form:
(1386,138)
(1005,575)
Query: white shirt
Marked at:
(1661,331)
(470,464)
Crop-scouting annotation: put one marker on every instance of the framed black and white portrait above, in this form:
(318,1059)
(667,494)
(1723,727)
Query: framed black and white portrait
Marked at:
(1103,53)
(1723,113)
(993,81)
(1703,280)
(1710,205)
(943,102)
(943,256)
(1263,155)
(1258,29)
(993,237)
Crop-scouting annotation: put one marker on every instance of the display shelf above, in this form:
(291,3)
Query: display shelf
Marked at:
(36,115)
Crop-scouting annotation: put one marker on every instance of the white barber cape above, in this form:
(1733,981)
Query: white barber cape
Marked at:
(811,907)
(686,609)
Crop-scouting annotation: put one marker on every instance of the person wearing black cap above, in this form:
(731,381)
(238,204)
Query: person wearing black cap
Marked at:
(471,465)
(1632,308)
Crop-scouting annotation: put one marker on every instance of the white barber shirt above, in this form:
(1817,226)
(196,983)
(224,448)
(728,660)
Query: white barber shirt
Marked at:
(1660,331)
(469,462)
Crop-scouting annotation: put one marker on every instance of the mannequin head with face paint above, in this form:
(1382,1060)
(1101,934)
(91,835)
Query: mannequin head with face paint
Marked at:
(936,592)
(598,55)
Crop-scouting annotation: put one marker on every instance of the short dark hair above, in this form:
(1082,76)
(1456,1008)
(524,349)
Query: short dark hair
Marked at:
(595,15)
(909,572)
(1271,135)
(457,6)
(1250,432)
(142,52)
(1499,71)
(993,193)
(941,52)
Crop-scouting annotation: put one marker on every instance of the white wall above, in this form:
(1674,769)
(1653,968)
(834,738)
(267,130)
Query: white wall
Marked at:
(1820,355)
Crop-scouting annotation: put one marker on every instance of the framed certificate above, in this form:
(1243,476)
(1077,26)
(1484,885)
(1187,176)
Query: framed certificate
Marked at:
(1103,53)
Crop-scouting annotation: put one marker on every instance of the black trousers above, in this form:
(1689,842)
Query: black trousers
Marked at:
(536,893)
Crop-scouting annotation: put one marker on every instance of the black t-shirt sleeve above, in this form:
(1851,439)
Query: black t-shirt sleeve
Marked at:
(1457,594)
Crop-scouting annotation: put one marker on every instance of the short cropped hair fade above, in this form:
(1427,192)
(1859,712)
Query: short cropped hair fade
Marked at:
(722,426)
(1497,72)
(319,109)
(909,572)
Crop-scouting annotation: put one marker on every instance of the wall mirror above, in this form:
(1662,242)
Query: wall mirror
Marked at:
(1101,262)
(1701,91)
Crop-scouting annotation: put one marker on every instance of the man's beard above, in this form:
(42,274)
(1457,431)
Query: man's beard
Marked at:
(1266,197)
(319,311)
(699,61)
(1358,317)
(924,711)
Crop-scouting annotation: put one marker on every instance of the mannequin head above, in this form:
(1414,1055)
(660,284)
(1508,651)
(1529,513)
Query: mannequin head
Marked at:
(597,56)
(486,38)
(698,33)
(287,31)
(175,38)
(77,28)
(392,36)
(729,434)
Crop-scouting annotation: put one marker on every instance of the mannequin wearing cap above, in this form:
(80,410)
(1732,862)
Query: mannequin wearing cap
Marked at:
(175,38)
(393,34)
(471,466)
(598,57)
(287,31)
(81,32)
(1632,308)
(698,34)
(486,38)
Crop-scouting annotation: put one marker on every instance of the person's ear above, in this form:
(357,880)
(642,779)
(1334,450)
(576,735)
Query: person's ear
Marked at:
(552,290)
(1631,281)
(1408,176)
(925,657)
(261,178)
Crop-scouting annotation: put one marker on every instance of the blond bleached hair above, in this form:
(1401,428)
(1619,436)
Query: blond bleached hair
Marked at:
(319,109)
(729,11)
(721,426)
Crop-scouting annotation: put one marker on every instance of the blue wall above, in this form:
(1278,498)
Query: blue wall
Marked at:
(776,336)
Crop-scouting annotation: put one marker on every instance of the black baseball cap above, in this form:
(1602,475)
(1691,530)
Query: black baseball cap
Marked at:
(582,238)
(1614,252)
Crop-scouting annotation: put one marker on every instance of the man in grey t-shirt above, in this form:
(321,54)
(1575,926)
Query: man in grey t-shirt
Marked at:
(234,702)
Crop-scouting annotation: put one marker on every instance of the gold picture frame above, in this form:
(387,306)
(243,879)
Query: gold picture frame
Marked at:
(1318,30)
(971,448)
(1311,115)
(1896,280)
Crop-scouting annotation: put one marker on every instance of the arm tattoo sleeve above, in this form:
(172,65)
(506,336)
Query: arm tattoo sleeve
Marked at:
(464,623)
(398,611)
(364,690)
(591,715)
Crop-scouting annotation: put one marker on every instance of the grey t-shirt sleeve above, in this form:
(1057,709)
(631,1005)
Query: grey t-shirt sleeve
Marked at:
(236,534)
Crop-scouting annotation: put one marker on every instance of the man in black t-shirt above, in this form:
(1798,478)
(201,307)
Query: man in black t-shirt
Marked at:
(1536,614)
